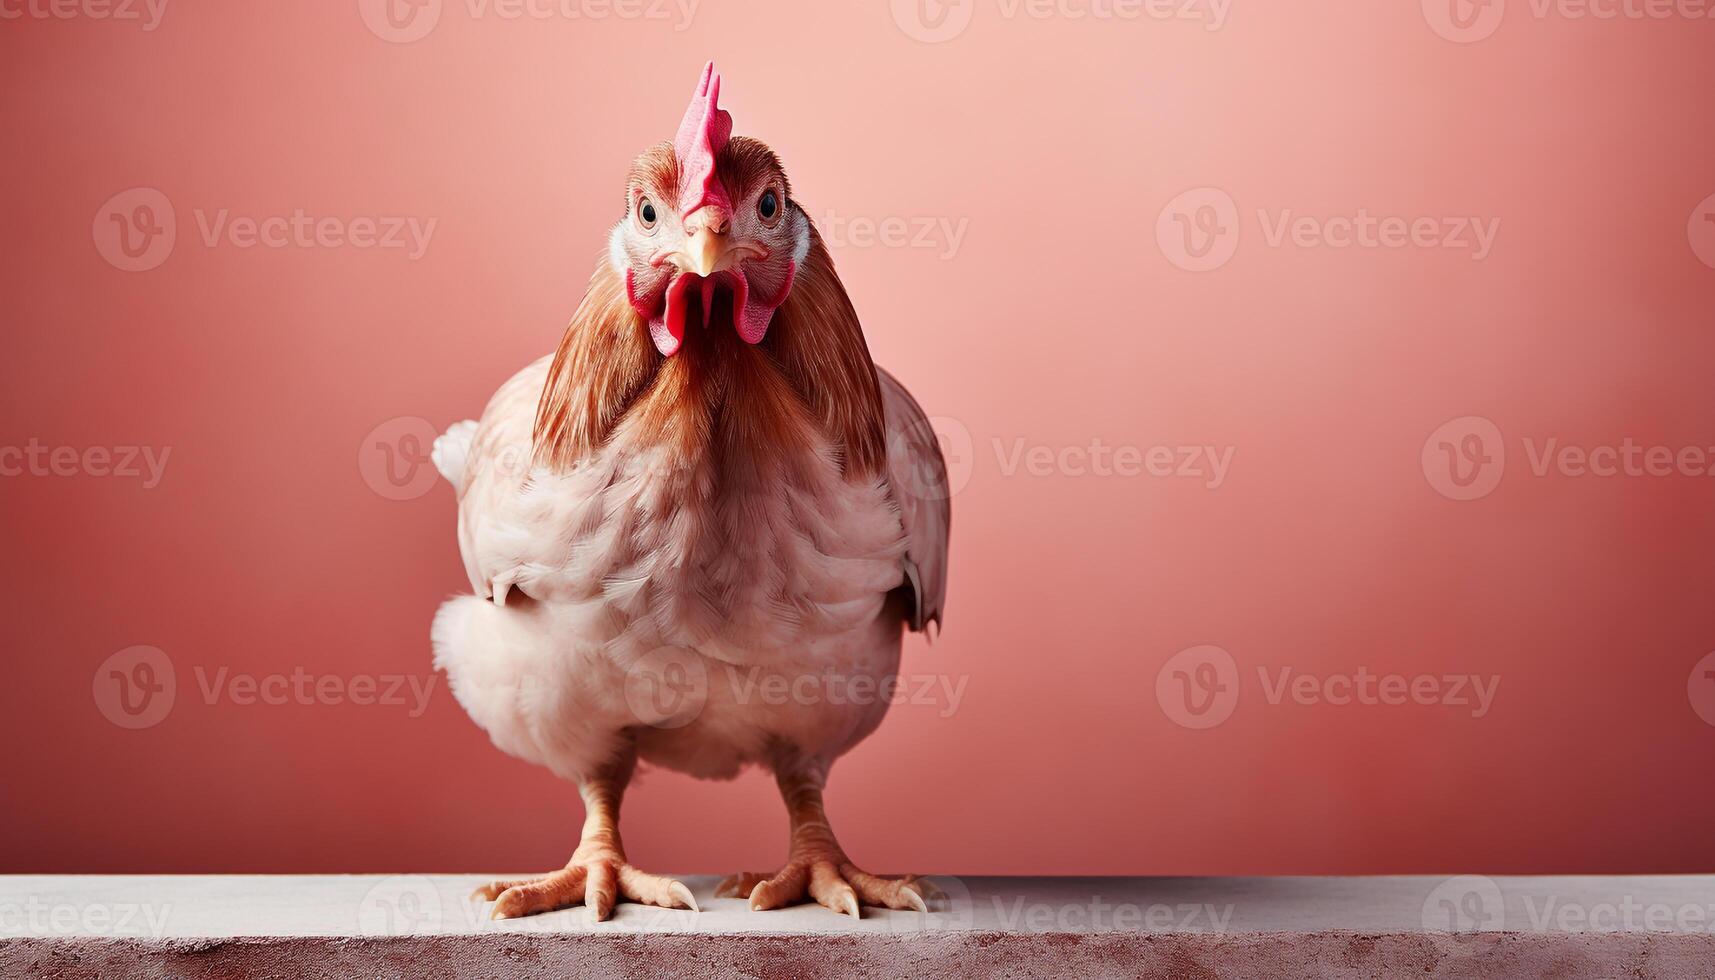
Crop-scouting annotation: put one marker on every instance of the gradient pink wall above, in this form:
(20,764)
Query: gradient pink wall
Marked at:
(1054,305)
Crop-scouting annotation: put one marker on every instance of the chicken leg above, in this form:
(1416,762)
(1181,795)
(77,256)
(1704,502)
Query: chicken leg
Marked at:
(598,874)
(816,867)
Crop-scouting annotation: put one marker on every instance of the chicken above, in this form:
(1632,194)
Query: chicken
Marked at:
(708,480)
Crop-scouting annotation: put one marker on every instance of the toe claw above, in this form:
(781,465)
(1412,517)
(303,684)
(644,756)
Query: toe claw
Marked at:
(686,900)
(848,904)
(913,898)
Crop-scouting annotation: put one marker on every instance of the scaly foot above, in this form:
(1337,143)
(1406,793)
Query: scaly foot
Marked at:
(832,881)
(597,880)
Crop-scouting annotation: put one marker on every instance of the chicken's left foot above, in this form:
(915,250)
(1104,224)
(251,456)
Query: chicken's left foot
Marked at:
(597,881)
(831,881)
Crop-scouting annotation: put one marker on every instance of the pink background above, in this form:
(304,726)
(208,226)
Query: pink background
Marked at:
(1060,318)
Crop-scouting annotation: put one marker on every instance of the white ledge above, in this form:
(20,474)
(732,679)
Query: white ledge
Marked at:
(405,925)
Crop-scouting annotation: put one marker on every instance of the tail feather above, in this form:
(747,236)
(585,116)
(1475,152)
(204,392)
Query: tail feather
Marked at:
(451,452)
(499,665)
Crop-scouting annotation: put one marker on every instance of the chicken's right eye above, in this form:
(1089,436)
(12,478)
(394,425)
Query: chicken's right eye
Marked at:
(646,213)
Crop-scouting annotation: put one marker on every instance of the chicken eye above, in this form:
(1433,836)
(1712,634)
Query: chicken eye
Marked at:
(769,206)
(646,215)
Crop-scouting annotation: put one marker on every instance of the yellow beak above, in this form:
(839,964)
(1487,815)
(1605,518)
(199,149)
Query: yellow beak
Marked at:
(705,251)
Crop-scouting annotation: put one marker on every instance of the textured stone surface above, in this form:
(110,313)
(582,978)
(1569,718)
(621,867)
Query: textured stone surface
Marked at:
(335,926)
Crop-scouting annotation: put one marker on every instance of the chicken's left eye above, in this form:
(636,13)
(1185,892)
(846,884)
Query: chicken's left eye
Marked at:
(769,206)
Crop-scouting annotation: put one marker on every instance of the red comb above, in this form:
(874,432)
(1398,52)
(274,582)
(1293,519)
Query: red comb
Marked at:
(703,133)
